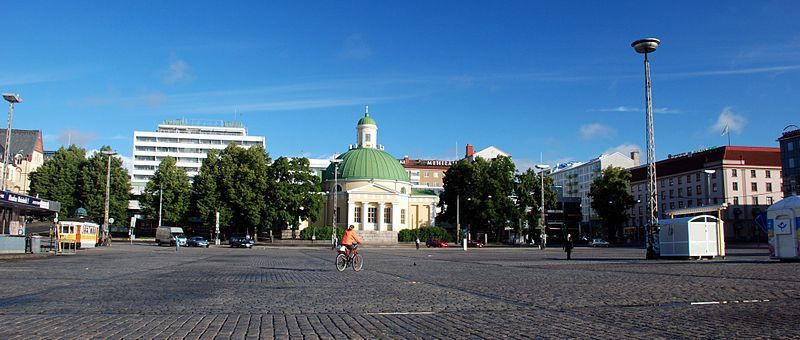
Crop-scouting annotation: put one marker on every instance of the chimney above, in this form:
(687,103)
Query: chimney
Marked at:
(635,157)
(470,151)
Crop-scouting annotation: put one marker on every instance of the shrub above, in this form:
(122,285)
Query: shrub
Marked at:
(322,233)
(425,233)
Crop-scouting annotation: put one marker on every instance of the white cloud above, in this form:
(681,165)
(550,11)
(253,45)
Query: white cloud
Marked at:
(596,130)
(355,48)
(177,71)
(68,137)
(624,149)
(127,162)
(734,121)
(661,110)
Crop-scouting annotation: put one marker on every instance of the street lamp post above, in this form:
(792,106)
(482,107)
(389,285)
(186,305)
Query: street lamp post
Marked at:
(336,162)
(645,46)
(542,225)
(11,99)
(108,154)
(708,173)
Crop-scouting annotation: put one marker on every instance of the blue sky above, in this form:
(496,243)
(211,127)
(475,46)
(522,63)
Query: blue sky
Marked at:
(557,78)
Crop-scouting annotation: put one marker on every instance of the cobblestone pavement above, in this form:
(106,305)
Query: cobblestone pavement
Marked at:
(145,291)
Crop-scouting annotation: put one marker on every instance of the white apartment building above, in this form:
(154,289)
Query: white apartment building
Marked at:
(576,178)
(188,141)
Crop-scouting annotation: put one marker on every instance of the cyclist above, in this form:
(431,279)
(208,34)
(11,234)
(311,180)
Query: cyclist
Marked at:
(349,238)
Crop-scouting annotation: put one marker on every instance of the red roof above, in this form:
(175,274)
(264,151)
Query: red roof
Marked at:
(749,155)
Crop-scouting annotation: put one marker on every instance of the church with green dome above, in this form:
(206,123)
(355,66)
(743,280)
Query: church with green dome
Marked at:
(368,188)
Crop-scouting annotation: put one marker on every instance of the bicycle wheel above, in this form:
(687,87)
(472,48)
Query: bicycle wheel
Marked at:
(358,262)
(341,262)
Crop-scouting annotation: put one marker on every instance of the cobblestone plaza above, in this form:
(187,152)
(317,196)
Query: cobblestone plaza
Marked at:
(144,291)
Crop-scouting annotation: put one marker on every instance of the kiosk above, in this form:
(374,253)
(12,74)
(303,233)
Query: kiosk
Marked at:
(783,221)
(695,236)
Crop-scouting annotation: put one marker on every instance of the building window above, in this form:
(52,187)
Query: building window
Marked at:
(790,146)
(689,203)
(368,137)
(663,195)
(769,200)
(735,200)
(754,186)
(671,193)
(734,173)
(357,213)
(427,174)
(663,207)
(670,181)
(680,181)
(435,175)
(697,177)
(735,186)
(755,200)
(672,205)
(714,187)
(791,163)
(699,190)
(402,216)
(680,192)
(753,173)
(688,178)
(371,212)
(338,215)
(680,204)
(387,215)
(769,174)
(769,187)
(699,202)
(714,174)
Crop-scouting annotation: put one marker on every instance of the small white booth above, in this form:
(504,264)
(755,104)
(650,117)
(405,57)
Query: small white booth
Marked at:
(695,236)
(783,221)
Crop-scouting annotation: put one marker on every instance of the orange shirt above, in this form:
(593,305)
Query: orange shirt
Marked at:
(350,236)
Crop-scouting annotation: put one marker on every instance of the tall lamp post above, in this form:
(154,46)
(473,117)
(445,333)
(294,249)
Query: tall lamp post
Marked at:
(11,99)
(542,225)
(108,154)
(336,162)
(645,46)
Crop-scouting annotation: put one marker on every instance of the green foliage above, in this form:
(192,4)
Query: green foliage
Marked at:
(170,188)
(483,189)
(59,177)
(293,197)
(611,199)
(92,187)
(528,189)
(424,234)
(322,233)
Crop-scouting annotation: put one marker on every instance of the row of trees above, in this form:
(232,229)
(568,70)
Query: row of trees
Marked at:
(76,181)
(246,188)
(493,196)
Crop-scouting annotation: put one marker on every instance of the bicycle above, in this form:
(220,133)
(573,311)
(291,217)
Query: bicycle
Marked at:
(352,258)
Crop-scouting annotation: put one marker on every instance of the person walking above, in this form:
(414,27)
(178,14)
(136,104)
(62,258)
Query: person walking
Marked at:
(568,244)
(417,242)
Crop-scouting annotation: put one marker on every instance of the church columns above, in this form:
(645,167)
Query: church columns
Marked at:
(432,217)
(364,215)
(351,213)
(379,224)
(396,216)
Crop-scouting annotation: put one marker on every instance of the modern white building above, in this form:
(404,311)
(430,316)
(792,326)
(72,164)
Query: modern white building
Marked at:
(188,141)
(576,178)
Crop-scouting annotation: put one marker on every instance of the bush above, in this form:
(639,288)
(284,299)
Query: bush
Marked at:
(425,233)
(322,233)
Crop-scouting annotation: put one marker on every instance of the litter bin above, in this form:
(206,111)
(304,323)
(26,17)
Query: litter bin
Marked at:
(36,244)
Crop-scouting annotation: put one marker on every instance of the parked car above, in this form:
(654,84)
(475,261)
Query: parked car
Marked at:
(197,241)
(240,242)
(599,242)
(436,244)
(474,244)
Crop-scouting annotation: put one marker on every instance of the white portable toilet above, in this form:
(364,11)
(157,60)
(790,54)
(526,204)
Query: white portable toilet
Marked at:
(695,236)
(783,219)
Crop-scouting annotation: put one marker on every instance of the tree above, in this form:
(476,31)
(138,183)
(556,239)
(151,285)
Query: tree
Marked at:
(529,197)
(207,194)
(295,193)
(59,177)
(611,199)
(169,188)
(483,189)
(92,187)
(243,184)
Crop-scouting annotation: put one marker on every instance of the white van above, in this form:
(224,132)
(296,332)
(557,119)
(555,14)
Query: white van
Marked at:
(167,235)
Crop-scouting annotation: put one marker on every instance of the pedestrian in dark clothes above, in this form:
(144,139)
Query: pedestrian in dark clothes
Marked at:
(568,246)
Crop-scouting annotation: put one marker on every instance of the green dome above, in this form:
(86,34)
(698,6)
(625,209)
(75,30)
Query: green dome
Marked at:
(366,120)
(368,163)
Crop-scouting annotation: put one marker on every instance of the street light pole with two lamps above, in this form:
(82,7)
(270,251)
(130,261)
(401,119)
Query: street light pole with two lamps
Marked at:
(106,236)
(336,162)
(542,225)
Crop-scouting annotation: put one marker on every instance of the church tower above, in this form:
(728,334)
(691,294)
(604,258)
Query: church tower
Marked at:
(367,131)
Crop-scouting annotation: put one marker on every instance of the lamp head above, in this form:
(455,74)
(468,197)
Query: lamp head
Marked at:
(709,171)
(646,45)
(12,98)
